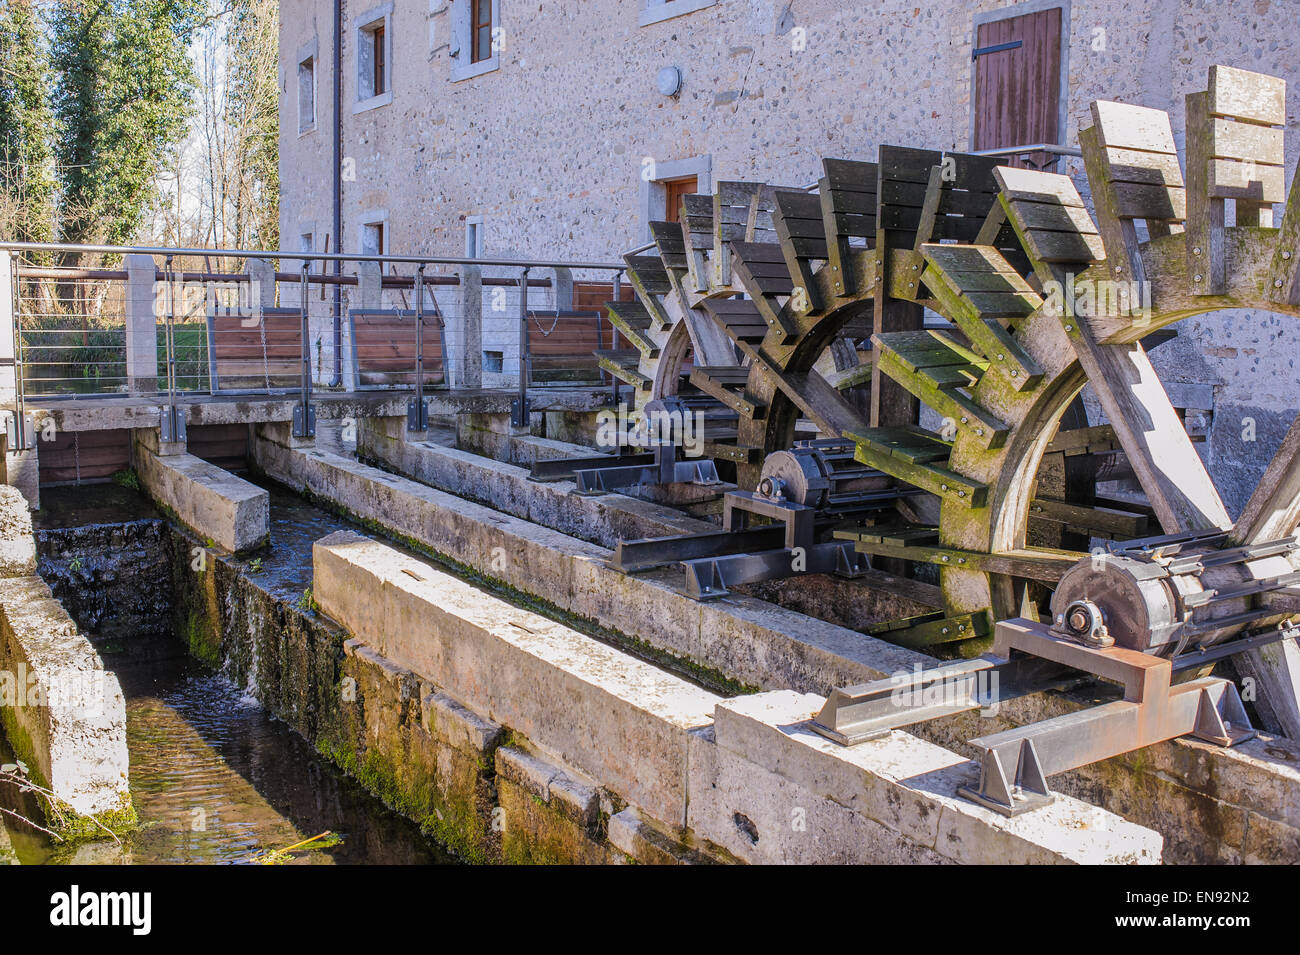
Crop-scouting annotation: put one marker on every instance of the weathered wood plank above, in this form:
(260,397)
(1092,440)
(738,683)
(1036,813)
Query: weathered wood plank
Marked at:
(1256,97)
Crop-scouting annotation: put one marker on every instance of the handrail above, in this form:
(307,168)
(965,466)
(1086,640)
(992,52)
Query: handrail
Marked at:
(1035,148)
(306,256)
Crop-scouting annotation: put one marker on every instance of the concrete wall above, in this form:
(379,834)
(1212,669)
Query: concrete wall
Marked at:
(549,149)
(61,711)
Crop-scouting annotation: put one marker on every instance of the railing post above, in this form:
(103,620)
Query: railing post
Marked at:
(417,414)
(141,325)
(172,427)
(613,338)
(18,451)
(471,324)
(304,416)
(519,408)
(20,436)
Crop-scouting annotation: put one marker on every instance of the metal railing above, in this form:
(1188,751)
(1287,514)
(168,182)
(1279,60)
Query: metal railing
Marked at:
(148,321)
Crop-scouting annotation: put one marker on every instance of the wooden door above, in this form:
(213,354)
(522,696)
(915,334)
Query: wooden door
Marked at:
(1018,84)
(674,190)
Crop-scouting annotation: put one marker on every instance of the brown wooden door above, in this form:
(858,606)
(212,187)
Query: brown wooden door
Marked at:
(674,190)
(1018,90)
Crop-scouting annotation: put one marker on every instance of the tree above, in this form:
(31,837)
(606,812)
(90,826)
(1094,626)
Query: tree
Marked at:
(26,156)
(122,100)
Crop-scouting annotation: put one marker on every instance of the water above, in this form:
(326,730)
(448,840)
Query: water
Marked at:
(217,780)
(214,778)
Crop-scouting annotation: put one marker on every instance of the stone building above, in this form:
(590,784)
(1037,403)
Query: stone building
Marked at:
(559,129)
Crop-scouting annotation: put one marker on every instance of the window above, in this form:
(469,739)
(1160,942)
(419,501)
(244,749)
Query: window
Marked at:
(674,191)
(475,38)
(480,30)
(494,362)
(377,42)
(305,242)
(1018,79)
(474,237)
(656,10)
(372,238)
(374,44)
(307,95)
(661,194)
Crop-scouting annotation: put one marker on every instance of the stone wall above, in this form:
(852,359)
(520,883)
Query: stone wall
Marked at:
(550,148)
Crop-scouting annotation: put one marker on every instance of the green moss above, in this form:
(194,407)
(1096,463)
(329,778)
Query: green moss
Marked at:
(455,825)
(202,639)
(70,826)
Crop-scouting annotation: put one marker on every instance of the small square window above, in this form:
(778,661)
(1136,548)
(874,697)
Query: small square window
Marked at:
(307,95)
(494,362)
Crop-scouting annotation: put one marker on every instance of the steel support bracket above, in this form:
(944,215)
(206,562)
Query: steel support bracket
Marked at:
(519,411)
(1018,786)
(20,442)
(417,414)
(171,424)
(304,421)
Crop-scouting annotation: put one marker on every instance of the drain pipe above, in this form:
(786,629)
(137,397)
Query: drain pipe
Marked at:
(337,380)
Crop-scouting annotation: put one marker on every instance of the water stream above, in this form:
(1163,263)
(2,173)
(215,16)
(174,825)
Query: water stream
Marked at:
(214,778)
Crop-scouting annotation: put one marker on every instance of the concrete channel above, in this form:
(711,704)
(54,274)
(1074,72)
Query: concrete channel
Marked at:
(475,662)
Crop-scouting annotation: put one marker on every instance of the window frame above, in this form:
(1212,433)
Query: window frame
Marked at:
(461,49)
(1009,13)
(308,53)
(374,24)
(657,11)
(372,218)
(654,192)
(473,237)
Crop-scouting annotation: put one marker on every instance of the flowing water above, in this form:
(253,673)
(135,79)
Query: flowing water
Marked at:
(214,778)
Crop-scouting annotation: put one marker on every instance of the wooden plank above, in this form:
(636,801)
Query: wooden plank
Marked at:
(1127,126)
(989,281)
(929,477)
(1232,140)
(1032,186)
(1256,97)
(1133,165)
(1054,217)
(1101,521)
(955,259)
(1230,179)
(1063,247)
(850,175)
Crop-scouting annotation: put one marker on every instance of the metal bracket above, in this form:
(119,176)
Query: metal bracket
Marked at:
(995,48)
(708,578)
(20,442)
(1011,789)
(171,424)
(304,427)
(519,411)
(417,414)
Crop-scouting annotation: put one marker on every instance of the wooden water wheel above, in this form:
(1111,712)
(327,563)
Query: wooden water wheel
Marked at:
(760,281)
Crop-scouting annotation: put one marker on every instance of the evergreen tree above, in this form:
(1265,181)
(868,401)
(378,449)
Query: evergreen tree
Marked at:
(122,98)
(26,156)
